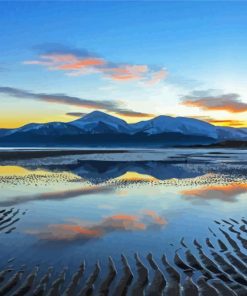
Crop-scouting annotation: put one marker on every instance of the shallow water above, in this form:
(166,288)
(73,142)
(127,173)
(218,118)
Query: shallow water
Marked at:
(94,209)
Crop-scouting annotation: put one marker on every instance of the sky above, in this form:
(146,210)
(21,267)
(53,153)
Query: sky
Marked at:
(135,60)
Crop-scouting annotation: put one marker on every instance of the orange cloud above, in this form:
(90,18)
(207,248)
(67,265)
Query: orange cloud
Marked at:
(223,122)
(156,77)
(66,62)
(126,72)
(229,122)
(59,58)
(124,77)
(81,62)
(225,102)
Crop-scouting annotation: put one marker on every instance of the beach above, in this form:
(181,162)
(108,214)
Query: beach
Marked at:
(112,216)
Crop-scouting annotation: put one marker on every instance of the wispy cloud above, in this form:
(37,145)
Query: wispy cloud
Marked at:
(157,76)
(76,114)
(59,99)
(110,106)
(84,230)
(222,122)
(129,113)
(229,122)
(206,101)
(77,62)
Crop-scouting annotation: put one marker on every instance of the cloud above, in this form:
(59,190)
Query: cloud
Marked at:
(76,114)
(226,193)
(206,101)
(110,106)
(129,113)
(157,76)
(77,62)
(229,122)
(83,230)
(222,122)
(59,99)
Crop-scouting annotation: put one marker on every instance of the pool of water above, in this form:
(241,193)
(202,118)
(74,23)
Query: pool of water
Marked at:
(93,210)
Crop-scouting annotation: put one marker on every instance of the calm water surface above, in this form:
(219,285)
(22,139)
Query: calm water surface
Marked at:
(93,210)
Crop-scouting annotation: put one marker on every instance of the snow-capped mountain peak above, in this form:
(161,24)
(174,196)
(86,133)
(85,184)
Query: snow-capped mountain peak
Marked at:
(162,128)
(168,124)
(91,121)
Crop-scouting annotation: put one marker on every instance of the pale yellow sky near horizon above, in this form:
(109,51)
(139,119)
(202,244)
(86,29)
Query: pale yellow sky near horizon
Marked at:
(23,116)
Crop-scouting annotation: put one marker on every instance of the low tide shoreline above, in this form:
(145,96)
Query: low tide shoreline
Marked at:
(73,155)
(18,154)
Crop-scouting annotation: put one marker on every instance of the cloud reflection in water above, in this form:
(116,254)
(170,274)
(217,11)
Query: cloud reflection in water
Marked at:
(225,193)
(57,195)
(84,231)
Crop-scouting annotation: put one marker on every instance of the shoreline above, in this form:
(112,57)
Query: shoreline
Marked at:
(169,155)
(21,154)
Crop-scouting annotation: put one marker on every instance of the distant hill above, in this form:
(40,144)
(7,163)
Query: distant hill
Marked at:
(98,129)
(225,144)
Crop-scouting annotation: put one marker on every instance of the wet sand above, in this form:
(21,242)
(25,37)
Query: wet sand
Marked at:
(215,266)
(27,157)
(19,154)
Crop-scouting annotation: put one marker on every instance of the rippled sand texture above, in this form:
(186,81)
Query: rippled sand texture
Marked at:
(216,266)
(130,223)
(9,218)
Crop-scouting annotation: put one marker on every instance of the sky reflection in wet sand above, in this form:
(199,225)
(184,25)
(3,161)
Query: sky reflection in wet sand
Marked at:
(133,212)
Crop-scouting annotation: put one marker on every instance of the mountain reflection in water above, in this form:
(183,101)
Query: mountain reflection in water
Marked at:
(102,171)
(94,209)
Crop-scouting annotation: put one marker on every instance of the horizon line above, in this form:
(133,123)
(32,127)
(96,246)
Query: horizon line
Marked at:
(82,115)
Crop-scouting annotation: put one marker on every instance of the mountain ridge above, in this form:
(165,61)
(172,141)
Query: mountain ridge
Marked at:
(107,129)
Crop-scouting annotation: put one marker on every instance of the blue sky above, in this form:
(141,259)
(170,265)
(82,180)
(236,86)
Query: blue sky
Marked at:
(175,58)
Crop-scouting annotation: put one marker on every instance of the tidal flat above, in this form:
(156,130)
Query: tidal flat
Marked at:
(123,222)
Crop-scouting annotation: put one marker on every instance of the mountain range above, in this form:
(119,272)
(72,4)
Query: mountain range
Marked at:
(98,129)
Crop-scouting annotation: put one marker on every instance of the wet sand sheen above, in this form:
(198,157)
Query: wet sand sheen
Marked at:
(192,272)
(88,209)
(17,154)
